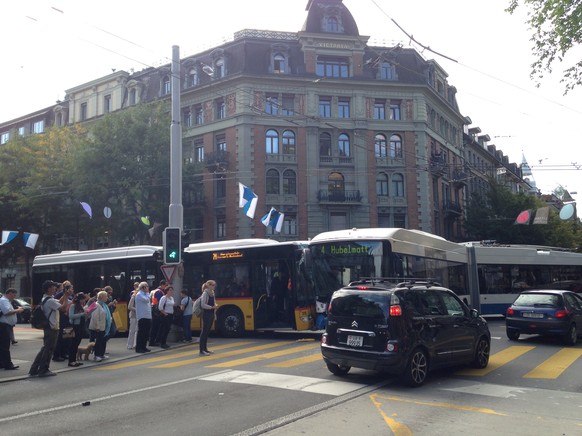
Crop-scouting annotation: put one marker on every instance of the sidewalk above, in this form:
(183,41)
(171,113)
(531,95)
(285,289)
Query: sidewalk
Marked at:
(30,342)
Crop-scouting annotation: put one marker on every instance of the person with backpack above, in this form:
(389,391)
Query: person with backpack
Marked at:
(51,308)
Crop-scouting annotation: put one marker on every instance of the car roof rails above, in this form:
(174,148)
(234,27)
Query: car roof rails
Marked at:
(412,281)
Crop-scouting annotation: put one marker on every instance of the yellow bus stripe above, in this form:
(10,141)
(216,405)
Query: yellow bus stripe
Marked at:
(252,359)
(299,361)
(554,366)
(497,360)
(220,355)
(165,356)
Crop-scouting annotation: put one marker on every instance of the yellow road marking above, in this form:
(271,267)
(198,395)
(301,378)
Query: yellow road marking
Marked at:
(165,356)
(497,360)
(397,428)
(252,359)
(296,362)
(220,355)
(554,366)
(445,405)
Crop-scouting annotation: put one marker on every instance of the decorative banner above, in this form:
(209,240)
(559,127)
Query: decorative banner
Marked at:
(524,217)
(542,215)
(107,212)
(87,209)
(568,211)
(274,219)
(8,236)
(30,239)
(247,200)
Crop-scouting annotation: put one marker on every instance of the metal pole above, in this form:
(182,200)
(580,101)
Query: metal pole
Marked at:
(176,210)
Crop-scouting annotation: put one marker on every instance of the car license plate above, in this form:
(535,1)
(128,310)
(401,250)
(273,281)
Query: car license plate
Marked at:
(355,341)
(532,315)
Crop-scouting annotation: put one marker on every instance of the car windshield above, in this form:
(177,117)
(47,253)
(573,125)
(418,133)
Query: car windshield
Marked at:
(362,304)
(538,300)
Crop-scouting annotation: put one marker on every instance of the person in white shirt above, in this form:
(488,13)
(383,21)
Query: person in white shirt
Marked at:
(7,322)
(166,306)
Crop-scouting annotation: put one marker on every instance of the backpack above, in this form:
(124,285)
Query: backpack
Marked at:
(38,318)
(197,307)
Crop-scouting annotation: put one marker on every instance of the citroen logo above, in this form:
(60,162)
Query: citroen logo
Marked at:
(354,323)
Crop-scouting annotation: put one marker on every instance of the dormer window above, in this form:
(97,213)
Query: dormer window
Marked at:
(166,85)
(279,64)
(219,70)
(192,78)
(332,25)
(386,71)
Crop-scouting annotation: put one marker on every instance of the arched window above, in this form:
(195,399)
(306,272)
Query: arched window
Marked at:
(272,142)
(289,182)
(192,79)
(344,145)
(380,146)
(325,144)
(397,185)
(219,68)
(332,25)
(132,97)
(395,146)
(382,185)
(289,142)
(279,63)
(336,187)
(272,182)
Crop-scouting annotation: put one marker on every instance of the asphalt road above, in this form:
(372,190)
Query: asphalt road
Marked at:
(278,385)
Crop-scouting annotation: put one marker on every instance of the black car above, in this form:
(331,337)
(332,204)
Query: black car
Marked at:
(545,312)
(407,329)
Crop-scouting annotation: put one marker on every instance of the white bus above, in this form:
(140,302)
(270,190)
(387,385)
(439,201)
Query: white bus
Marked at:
(339,257)
(502,271)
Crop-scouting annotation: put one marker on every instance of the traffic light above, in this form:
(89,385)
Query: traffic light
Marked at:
(172,245)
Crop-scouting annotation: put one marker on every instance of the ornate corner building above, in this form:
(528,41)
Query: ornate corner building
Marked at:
(328,129)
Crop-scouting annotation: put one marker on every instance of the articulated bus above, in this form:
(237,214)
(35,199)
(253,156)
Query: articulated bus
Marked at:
(339,257)
(503,271)
(90,269)
(262,284)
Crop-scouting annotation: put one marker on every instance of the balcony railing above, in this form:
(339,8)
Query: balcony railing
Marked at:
(337,196)
(217,158)
(452,208)
(438,165)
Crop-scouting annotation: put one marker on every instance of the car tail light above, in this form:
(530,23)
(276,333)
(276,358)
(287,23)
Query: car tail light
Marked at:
(561,313)
(324,339)
(362,288)
(395,310)
(329,308)
(509,311)
(392,347)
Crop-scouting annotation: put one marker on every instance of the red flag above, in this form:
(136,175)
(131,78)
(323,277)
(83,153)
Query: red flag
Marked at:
(524,217)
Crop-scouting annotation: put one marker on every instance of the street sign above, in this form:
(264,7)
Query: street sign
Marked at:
(168,271)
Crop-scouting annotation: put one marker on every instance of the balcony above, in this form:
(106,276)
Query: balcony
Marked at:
(460,177)
(438,165)
(452,209)
(336,160)
(337,196)
(218,159)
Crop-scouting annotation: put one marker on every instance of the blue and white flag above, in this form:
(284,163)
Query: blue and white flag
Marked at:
(274,219)
(247,200)
(30,239)
(8,236)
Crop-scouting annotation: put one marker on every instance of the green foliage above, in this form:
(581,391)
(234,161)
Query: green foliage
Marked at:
(557,28)
(493,217)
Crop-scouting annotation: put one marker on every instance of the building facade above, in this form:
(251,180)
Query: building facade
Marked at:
(328,129)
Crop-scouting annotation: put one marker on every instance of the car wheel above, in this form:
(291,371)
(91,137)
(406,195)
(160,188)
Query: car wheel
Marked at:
(482,353)
(338,369)
(230,323)
(417,368)
(572,337)
(513,335)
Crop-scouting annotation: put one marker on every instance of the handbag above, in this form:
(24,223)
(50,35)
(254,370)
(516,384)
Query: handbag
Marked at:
(68,333)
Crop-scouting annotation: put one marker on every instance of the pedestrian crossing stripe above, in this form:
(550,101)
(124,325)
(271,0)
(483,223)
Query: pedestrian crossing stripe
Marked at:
(164,357)
(497,360)
(203,359)
(299,361)
(553,367)
(285,381)
(265,356)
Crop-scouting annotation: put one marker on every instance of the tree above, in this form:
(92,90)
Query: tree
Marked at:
(493,217)
(125,166)
(557,28)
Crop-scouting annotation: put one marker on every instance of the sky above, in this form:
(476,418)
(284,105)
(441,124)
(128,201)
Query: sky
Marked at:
(49,46)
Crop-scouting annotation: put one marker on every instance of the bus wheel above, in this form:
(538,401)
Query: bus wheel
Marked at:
(230,323)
